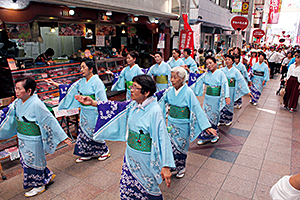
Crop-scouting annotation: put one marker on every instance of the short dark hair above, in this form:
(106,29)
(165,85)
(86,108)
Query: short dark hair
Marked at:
(188,51)
(201,51)
(262,54)
(147,84)
(90,64)
(211,58)
(49,52)
(29,83)
(177,51)
(237,56)
(134,54)
(230,56)
(159,53)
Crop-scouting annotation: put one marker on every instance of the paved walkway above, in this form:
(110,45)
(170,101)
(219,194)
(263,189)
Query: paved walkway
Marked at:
(262,145)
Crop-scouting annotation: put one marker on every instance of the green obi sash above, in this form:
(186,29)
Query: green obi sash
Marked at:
(128,84)
(213,91)
(28,128)
(140,142)
(232,84)
(92,96)
(179,112)
(161,79)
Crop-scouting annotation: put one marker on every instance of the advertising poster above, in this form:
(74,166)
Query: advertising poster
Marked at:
(100,41)
(275,6)
(105,30)
(18,31)
(236,5)
(71,29)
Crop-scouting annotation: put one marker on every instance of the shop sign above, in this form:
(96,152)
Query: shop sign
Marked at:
(275,7)
(239,23)
(71,29)
(18,31)
(186,40)
(104,30)
(258,33)
(236,5)
(245,8)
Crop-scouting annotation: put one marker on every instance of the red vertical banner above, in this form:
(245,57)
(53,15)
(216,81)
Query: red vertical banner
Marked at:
(275,7)
(186,36)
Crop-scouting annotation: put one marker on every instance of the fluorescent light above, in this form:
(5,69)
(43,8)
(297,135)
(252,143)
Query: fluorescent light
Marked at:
(108,13)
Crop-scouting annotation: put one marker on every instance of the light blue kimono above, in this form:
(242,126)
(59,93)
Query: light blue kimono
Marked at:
(236,91)
(212,105)
(190,62)
(186,120)
(175,63)
(32,148)
(88,114)
(113,121)
(241,67)
(257,80)
(126,75)
(162,70)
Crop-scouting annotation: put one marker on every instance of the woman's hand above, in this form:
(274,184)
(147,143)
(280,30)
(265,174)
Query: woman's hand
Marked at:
(109,72)
(166,175)
(86,100)
(211,131)
(51,82)
(227,100)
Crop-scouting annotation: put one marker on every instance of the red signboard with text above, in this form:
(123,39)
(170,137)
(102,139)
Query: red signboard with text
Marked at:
(258,33)
(275,7)
(239,23)
(186,40)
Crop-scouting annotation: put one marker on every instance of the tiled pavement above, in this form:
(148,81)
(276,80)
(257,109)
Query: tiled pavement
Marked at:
(262,145)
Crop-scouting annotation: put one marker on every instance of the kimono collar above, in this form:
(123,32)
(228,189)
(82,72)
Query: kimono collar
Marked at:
(179,89)
(145,103)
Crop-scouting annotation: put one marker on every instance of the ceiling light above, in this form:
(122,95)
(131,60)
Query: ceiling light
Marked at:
(88,20)
(156,21)
(52,30)
(136,19)
(108,13)
(123,31)
(122,23)
(71,12)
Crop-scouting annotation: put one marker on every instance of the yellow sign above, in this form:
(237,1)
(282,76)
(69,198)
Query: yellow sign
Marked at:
(245,8)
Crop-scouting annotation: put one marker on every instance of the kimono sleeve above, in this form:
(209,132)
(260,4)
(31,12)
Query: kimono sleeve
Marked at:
(112,120)
(51,132)
(224,85)
(197,87)
(266,73)
(119,85)
(241,87)
(193,66)
(245,73)
(69,102)
(100,92)
(161,149)
(162,99)
(8,123)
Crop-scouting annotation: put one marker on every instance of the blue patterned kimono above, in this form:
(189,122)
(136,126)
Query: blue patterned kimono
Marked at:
(85,145)
(186,120)
(161,74)
(260,73)
(244,72)
(237,88)
(44,135)
(175,63)
(126,76)
(190,62)
(216,91)
(148,144)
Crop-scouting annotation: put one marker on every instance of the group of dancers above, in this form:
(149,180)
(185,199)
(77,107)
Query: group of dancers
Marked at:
(155,148)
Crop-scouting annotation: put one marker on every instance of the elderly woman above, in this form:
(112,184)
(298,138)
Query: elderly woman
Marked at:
(216,97)
(148,157)
(186,118)
(293,85)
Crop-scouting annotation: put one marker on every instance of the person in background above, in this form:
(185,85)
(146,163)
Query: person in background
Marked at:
(45,57)
(201,61)
(189,63)
(161,72)
(196,57)
(175,60)
(37,130)
(148,155)
(253,59)
(284,70)
(273,57)
(127,74)
(292,85)
(216,97)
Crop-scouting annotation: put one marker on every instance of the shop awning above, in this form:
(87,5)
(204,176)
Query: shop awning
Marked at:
(209,24)
(111,6)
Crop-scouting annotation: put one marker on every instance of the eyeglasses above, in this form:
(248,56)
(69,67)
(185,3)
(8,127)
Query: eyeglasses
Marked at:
(134,88)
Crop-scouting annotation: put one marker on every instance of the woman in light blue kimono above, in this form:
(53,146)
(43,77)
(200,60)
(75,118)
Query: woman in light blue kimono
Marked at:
(92,86)
(37,130)
(160,72)
(175,60)
(241,67)
(259,77)
(189,63)
(186,118)
(127,74)
(148,157)
(216,97)
(237,88)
